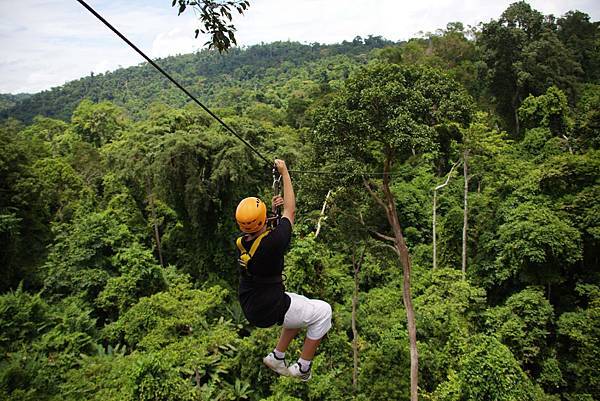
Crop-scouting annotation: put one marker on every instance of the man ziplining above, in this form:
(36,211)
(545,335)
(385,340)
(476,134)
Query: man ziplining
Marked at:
(262,293)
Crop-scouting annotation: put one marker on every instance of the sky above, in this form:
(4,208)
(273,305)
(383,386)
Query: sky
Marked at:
(45,43)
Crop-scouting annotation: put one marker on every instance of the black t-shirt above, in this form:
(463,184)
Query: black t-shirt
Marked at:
(265,304)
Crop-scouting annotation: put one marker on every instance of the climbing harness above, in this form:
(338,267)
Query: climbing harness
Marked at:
(246,256)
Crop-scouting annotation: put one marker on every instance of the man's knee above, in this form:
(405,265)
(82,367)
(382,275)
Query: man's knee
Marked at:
(326,314)
(327,311)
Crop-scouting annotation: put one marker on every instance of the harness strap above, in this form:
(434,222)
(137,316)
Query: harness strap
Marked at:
(245,255)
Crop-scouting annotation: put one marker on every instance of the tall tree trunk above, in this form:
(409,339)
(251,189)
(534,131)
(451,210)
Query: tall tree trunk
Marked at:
(515,105)
(356,266)
(154,221)
(389,205)
(465,213)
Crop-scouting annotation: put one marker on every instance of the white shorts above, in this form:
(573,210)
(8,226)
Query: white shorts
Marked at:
(312,313)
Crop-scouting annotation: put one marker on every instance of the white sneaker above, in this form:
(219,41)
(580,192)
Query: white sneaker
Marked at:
(276,365)
(296,371)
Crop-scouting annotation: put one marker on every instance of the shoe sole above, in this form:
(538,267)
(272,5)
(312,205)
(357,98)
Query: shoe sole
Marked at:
(279,371)
(301,376)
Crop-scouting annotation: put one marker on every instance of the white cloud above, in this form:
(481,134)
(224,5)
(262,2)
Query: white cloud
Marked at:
(176,41)
(44,43)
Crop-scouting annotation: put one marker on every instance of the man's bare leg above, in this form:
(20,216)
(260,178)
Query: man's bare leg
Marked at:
(276,359)
(309,349)
(286,337)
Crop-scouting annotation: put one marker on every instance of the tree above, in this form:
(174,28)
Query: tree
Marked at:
(582,37)
(448,310)
(487,371)
(524,56)
(480,143)
(98,124)
(538,253)
(550,110)
(434,214)
(23,214)
(384,114)
(215,16)
(523,325)
(587,119)
(580,336)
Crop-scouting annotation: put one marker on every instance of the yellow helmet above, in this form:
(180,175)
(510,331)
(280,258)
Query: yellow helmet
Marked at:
(251,214)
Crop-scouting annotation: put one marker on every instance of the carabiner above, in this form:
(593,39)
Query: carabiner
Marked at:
(276,191)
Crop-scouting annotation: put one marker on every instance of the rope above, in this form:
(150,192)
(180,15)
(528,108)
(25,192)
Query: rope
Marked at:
(177,84)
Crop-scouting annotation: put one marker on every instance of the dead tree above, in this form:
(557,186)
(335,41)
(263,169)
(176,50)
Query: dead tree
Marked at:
(322,215)
(434,233)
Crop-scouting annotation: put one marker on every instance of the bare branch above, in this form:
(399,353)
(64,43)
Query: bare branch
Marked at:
(447,177)
(376,233)
(434,217)
(566,138)
(322,216)
(389,246)
(374,195)
(360,218)
(394,249)
(356,264)
(382,236)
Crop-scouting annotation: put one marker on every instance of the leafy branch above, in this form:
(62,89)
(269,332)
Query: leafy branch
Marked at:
(215,17)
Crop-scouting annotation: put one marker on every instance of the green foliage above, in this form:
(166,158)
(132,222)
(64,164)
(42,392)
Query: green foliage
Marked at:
(550,110)
(21,314)
(212,15)
(539,252)
(81,259)
(588,116)
(316,271)
(24,215)
(118,263)
(139,276)
(486,371)
(166,317)
(40,342)
(385,362)
(447,311)
(581,36)
(239,78)
(535,141)
(524,56)
(97,124)
(580,334)
(388,110)
(523,324)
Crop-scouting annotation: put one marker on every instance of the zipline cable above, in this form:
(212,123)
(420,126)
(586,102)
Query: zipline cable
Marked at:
(317,172)
(213,115)
(177,84)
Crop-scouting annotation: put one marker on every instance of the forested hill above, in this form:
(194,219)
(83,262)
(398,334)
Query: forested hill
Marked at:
(8,101)
(451,181)
(205,73)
